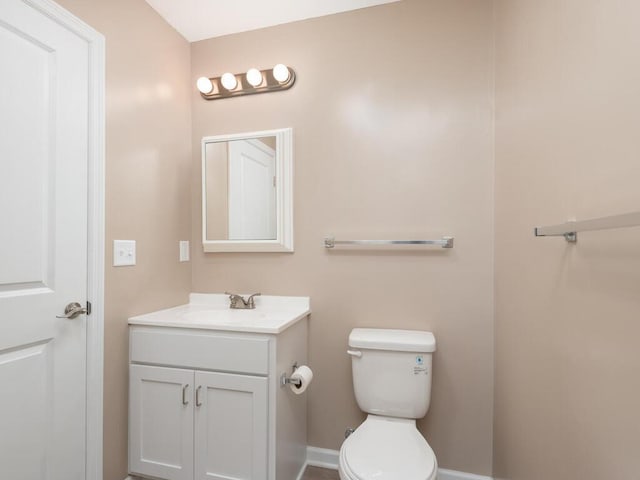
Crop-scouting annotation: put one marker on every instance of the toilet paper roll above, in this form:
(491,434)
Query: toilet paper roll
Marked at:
(305,375)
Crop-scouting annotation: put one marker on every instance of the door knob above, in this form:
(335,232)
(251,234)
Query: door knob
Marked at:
(73,310)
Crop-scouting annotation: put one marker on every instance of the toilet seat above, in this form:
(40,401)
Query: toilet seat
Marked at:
(386,448)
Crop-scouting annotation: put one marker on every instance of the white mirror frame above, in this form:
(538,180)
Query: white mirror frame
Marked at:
(284,196)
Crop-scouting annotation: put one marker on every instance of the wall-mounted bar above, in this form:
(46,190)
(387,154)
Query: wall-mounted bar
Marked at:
(444,242)
(570,229)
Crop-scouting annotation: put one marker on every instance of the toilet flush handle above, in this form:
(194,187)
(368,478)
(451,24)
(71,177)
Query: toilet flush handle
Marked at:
(355,353)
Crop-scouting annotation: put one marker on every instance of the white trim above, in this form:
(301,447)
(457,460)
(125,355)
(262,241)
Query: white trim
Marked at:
(326,458)
(323,457)
(444,474)
(302,470)
(95,327)
(95,225)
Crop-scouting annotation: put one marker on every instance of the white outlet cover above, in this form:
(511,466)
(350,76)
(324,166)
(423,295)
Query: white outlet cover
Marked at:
(184,250)
(124,253)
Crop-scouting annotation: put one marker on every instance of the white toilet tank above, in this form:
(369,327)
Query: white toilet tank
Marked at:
(392,371)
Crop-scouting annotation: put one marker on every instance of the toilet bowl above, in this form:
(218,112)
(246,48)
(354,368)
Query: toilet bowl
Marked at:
(392,383)
(387,448)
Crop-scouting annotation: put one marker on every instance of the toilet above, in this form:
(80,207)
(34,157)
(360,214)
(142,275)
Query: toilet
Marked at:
(392,383)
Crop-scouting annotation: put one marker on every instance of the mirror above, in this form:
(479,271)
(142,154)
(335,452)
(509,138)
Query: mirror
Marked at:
(247,192)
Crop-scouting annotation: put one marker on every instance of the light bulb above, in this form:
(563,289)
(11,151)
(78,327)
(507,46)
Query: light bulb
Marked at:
(204,85)
(229,81)
(281,73)
(254,77)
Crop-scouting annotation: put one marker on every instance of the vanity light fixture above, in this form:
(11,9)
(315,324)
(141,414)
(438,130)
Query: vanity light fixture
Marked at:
(229,81)
(253,81)
(281,73)
(254,77)
(204,85)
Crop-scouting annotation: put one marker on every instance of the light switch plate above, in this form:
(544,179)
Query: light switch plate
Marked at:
(184,250)
(124,253)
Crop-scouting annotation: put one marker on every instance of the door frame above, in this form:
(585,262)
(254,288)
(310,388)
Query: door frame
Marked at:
(95,226)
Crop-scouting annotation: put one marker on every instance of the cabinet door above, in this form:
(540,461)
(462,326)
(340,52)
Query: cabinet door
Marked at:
(230,427)
(161,422)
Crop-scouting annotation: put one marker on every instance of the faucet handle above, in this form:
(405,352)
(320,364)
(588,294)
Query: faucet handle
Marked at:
(233,299)
(250,302)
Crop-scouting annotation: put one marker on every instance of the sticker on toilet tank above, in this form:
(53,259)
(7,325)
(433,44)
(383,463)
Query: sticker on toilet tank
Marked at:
(419,368)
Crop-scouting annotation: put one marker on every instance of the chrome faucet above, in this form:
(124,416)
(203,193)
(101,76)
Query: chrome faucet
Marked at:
(238,301)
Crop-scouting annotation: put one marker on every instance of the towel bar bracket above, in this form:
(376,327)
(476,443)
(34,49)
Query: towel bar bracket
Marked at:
(571,237)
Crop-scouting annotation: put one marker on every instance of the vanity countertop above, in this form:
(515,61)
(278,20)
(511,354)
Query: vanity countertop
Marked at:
(273,314)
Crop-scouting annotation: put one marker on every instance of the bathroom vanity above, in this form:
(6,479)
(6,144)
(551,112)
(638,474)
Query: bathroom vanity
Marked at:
(205,396)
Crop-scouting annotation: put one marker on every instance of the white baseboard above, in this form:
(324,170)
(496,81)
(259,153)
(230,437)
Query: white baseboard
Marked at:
(326,458)
(302,470)
(323,457)
(444,474)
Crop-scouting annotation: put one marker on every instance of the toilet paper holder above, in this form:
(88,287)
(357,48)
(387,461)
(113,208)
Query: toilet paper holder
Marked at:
(285,380)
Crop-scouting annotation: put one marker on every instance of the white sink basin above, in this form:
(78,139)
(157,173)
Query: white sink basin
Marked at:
(211,311)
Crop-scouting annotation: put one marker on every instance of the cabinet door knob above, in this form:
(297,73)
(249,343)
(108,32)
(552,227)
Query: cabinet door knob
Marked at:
(184,395)
(198,402)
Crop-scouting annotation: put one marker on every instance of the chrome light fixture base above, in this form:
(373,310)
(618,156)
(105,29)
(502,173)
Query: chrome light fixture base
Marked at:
(269,84)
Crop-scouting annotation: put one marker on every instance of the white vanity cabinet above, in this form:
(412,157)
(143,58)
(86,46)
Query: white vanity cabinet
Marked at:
(206,403)
(190,424)
(161,422)
(231,426)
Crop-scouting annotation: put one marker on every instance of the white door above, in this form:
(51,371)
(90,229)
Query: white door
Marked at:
(230,427)
(43,245)
(161,422)
(252,191)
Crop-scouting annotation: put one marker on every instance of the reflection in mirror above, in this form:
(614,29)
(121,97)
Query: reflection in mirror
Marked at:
(247,192)
(241,189)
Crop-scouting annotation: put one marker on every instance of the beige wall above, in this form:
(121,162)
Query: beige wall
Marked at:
(567,324)
(148,174)
(399,143)
(392,119)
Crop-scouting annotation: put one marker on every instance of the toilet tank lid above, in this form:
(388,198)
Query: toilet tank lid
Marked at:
(394,340)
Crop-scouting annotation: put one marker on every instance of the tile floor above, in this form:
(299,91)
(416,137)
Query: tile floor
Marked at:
(317,473)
